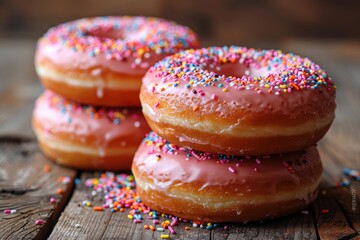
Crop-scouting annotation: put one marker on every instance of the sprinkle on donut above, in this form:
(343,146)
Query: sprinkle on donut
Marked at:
(122,37)
(157,145)
(282,72)
(66,107)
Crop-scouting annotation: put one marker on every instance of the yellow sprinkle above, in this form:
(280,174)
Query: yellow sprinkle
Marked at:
(165,236)
(282,86)
(130,216)
(285,91)
(140,51)
(224,90)
(119,115)
(88,204)
(168,221)
(130,178)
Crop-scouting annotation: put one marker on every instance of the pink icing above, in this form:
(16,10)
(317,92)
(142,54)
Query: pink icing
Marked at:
(220,80)
(122,44)
(81,125)
(68,59)
(250,175)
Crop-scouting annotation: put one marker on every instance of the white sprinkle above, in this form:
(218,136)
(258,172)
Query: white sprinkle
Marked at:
(96,72)
(13,211)
(137,124)
(77,225)
(137,61)
(99,92)
(305,212)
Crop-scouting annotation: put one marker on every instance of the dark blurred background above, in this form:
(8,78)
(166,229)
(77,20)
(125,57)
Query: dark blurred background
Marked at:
(242,22)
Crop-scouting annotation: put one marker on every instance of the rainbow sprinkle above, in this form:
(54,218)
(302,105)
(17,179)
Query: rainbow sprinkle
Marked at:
(350,174)
(120,194)
(155,145)
(122,37)
(282,73)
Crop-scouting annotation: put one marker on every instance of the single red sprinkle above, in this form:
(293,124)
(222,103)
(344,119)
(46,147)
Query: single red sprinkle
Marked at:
(325,211)
(39,222)
(7,211)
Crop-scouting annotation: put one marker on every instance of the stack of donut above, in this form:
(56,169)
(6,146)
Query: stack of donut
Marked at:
(234,134)
(89,116)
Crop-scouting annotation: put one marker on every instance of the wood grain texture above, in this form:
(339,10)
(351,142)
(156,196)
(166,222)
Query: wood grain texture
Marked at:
(25,187)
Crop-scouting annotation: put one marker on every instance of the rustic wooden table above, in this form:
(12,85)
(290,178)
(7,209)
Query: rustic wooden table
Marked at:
(25,186)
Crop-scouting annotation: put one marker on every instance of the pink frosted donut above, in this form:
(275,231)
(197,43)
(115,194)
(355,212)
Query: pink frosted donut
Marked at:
(101,60)
(87,137)
(221,188)
(235,100)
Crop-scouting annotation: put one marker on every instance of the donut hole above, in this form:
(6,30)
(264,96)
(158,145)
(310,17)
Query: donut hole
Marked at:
(105,33)
(235,70)
(238,70)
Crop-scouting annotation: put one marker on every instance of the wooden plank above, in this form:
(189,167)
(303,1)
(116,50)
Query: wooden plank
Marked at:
(297,226)
(26,188)
(331,221)
(349,201)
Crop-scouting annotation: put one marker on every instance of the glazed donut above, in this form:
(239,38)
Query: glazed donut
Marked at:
(219,188)
(101,60)
(238,101)
(87,137)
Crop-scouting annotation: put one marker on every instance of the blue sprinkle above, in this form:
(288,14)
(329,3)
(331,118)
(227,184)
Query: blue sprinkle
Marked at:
(77,181)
